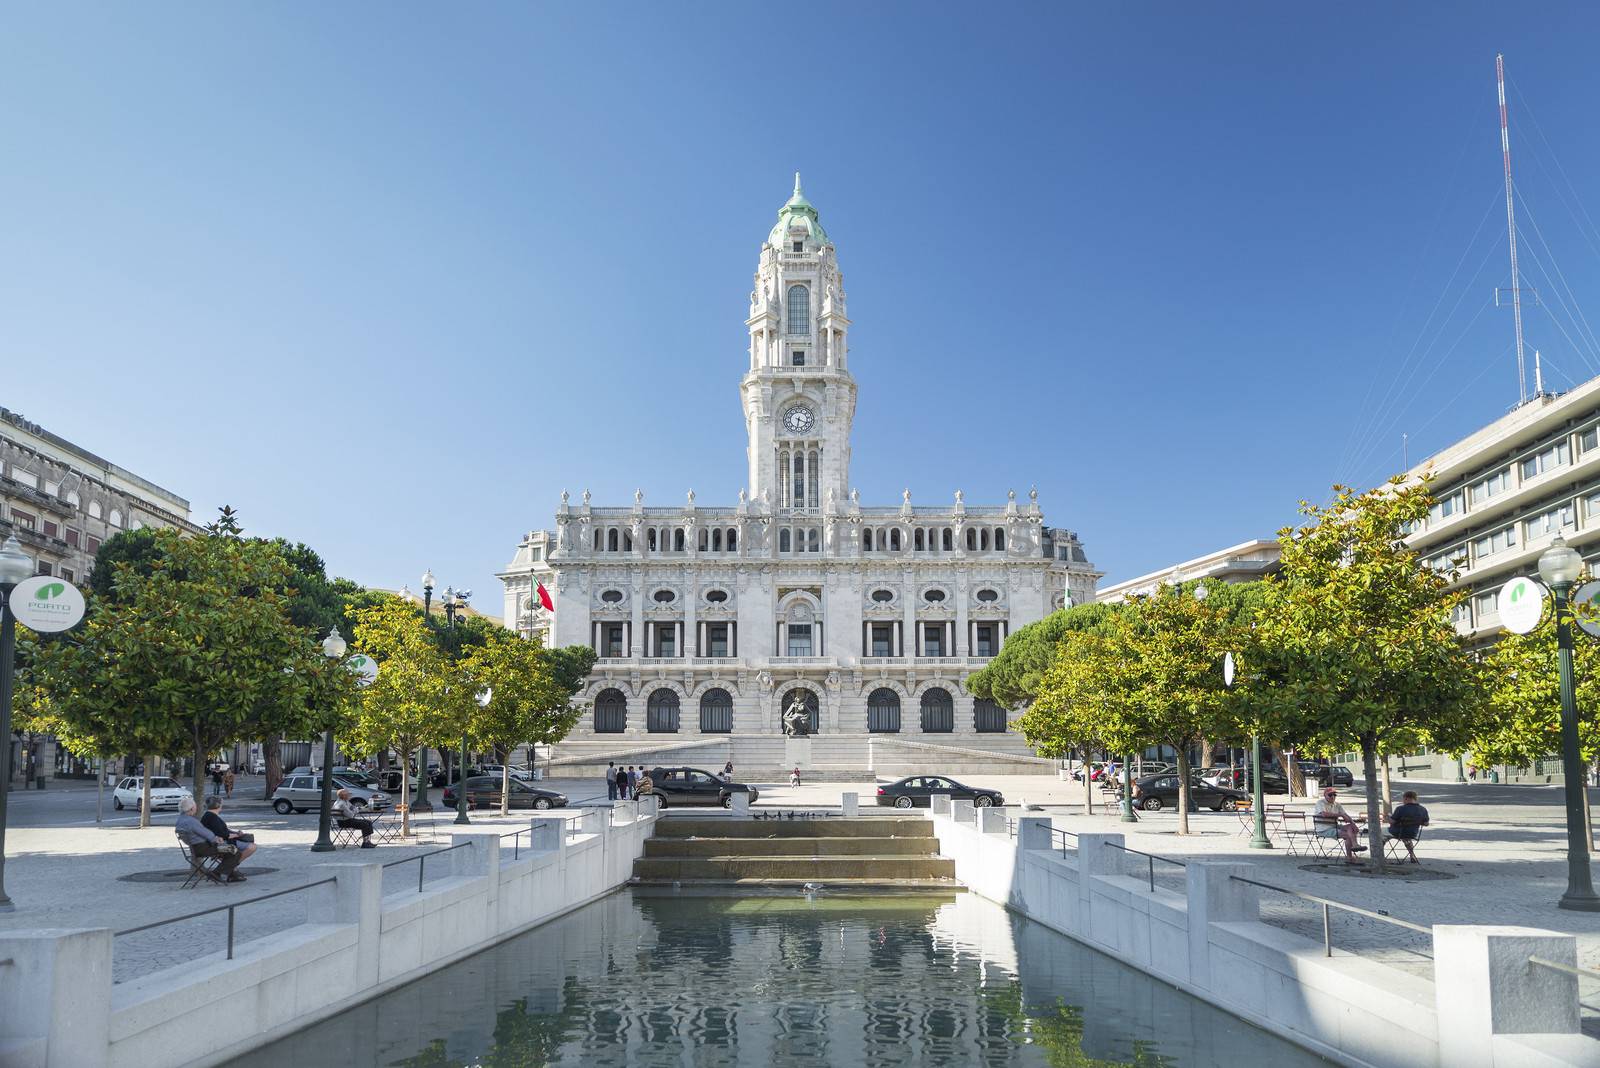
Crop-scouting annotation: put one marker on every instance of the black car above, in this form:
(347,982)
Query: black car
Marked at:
(1272,782)
(916,791)
(1159,791)
(695,786)
(1328,774)
(483,791)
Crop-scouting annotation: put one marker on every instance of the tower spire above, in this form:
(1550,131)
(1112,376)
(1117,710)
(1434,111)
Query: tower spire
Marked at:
(1511,227)
(797,183)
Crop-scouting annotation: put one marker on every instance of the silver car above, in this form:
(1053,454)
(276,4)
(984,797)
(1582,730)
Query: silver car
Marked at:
(301,793)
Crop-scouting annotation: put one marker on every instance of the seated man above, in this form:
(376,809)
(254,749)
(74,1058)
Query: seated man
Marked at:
(244,843)
(1406,823)
(344,813)
(1332,821)
(202,842)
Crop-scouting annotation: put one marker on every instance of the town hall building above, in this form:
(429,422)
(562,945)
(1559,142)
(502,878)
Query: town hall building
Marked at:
(710,620)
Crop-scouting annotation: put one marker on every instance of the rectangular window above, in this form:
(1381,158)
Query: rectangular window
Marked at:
(883,639)
(799,639)
(933,639)
(51,530)
(74,538)
(1445,507)
(611,640)
(716,639)
(1498,542)
(985,645)
(69,574)
(1486,605)
(1491,485)
(1462,613)
(798,357)
(535,553)
(27,478)
(666,639)
(92,544)
(1557,455)
(1549,522)
(44,568)
(1589,439)
(799,246)
(26,520)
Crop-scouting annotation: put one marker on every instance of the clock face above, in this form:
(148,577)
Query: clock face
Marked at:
(798,419)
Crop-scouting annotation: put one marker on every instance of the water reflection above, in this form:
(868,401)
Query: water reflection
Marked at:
(652,980)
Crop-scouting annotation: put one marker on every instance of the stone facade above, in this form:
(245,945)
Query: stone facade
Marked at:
(709,620)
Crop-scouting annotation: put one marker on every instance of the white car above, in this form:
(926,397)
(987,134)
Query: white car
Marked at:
(517,771)
(164,793)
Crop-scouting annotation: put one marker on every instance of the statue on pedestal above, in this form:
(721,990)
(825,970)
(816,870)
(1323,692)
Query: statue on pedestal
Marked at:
(796,719)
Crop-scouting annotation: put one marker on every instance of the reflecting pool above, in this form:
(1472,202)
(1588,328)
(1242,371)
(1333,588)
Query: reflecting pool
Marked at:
(644,980)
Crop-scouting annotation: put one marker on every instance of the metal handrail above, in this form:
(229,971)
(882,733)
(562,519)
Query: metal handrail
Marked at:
(1152,859)
(516,841)
(422,860)
(1327,904)
(1543,962)
(221,908)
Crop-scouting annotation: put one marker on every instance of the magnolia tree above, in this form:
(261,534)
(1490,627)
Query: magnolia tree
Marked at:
(1355,641)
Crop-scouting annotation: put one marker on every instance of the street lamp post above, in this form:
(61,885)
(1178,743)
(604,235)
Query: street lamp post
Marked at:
(419,799)
(1559,567)
(14,567)
(333,647)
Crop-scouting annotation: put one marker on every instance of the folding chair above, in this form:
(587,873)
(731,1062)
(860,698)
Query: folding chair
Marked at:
(1394,847)
(201,866)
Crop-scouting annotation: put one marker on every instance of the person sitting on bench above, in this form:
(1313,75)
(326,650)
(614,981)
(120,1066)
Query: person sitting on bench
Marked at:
(244,843)
(203,843)
(345,815)
(1406,823)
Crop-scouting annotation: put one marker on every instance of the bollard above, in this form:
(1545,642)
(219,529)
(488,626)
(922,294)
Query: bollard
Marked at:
(993,821)
(964,812)
(850,804)
(741,802)
(939,804)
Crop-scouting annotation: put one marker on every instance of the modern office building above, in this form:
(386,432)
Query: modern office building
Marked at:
(1246,562)
(711,620)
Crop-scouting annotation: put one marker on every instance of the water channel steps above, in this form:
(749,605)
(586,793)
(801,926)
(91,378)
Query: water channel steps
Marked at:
(896,852)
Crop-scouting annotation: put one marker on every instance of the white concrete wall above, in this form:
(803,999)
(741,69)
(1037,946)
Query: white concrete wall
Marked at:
(1484,1009)
(59,1009)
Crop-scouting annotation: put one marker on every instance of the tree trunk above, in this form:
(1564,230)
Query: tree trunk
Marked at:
(1183,788)
(407,795)
(1205,754)
(1292,772)
(1369,765)
(1088,787)
(505,788)
(272,757)
(144,790)
(199,771)
(1388,791)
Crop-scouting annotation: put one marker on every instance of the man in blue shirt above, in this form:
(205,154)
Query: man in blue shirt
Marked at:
(1406,823)
(203,843)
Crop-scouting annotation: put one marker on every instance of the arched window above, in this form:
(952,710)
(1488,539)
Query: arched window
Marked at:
(611,540)
(999,540)
(783,540)
(661,712)
(984,538)
(814,540)
(883,711)
(733,540)
(938,712)
(866,540)
(598,536)
(610,712)
(949,539)
(916,540)
(716,712)
(799,310)
(94,509)
(705,540)
(716,540)
(651,539)
(677,540)
(115,518)
(894,540)
(988,717)
(72,498)
(627,541)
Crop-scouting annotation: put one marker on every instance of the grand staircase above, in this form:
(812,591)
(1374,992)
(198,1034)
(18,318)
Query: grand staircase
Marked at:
(860,852)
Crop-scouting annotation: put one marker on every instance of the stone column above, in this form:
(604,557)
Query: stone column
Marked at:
(1215,896)
(356,897)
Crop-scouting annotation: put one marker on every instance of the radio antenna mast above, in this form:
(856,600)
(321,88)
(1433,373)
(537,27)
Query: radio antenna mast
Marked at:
(1511,228)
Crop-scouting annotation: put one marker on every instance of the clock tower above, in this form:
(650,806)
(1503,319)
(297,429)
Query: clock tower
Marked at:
(799,398)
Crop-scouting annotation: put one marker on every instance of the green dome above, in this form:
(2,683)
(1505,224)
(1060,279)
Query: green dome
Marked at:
(798,212)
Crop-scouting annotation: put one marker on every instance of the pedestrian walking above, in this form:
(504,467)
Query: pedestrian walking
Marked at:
(622,784)
(794,776)
(611,782)
(633,781)
(216,781)
(727,772)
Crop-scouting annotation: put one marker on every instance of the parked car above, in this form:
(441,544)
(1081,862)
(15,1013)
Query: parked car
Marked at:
(495,770)
(1155,792)
(1272,782)
(483,791)
(164,793)
(351,776)
(258,767)
(217,766)
(695,786)
(302,792)
(1327,774)
(916,791)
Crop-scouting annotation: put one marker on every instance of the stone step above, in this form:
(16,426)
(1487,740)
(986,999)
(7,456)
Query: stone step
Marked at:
(818,869)
(941,885)
(791,846)
(674,826)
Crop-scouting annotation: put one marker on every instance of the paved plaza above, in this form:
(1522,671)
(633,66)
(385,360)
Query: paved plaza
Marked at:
(1503,845)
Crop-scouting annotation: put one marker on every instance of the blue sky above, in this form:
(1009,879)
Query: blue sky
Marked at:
(388,277)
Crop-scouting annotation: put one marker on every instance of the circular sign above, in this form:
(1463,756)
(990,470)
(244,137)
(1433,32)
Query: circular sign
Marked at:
(1586,607)
(1227,669)
(46,604)
(1521,604)
(365,667)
